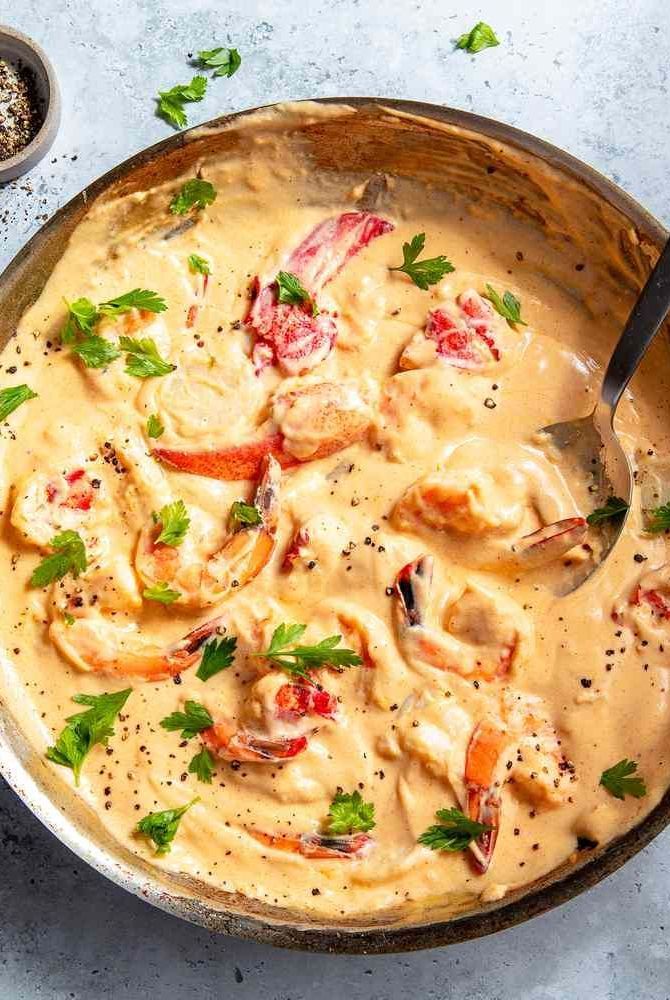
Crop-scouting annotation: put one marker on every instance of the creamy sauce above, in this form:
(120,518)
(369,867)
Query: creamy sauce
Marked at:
(447,466)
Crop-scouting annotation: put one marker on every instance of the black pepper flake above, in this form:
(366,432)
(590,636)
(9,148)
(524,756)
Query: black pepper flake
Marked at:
(20,114)
(489,403)
(586,682)
(639,558)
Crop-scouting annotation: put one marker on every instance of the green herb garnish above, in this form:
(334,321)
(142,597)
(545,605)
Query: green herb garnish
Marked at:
(482,36)
(299,660)
(613,507)
(191,721)
(218,655)
(174,521)
(292,292)
(143,359)
(202,765)
(195,193)
(138,298)
(12,397)
(68,556)
(508,306)
(225,62)
(171,102)
(86,729)
(422,272)
(161,592)
(154,426)
(96,352)
(161,827)
(348,813)
(198,264)
(659,519)
(244,515)
(619,783)
(454,832)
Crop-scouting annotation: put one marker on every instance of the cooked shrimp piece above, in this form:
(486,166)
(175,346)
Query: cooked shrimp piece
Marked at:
(50,502)
(309,421)
(484,636)
(318,846)
(551,542)
(230,743)
(298,337)
(203,578)
(464,335)
(484,778)
(645,610)
(478,504)
(100,644)
(283,709)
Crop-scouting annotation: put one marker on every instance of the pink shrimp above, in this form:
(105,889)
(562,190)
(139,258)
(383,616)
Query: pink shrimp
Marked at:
(318,846)
(238,744)
(292,336)
(295,701)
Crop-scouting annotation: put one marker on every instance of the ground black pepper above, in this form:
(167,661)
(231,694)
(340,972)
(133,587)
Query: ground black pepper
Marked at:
(20,116)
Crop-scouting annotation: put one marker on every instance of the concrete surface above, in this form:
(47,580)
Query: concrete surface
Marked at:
(589,75)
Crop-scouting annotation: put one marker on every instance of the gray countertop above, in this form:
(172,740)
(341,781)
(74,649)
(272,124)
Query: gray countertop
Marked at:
(591,77)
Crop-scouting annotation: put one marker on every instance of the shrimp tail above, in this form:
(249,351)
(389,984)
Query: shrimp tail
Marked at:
(318,846)
(231,744)
(483,791)
(412,589)
(243,461)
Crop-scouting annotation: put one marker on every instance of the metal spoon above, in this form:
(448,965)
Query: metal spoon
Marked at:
(590,444)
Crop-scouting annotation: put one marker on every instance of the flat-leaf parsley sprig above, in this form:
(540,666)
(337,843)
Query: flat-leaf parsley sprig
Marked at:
(454,832)
(224,62)
(161,827)
(299,660)
(86,729)
(349,813)
(171,102)
(423,273)
(68,555)
(621,780)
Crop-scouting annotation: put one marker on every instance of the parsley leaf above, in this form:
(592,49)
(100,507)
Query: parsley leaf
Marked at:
(217,656)
(244,515)
(422,272)
(154,426)
(482,36)
(619,783)
(613,507)
(301,659)
(161,827)
(659,519)
(174,521)
(195,193)
(12,397)
(96,352)
(137,298)
(292,292)
(198,264)
(143,359)
(224,61)
(161,592)
(68,556)
(81,315)
(508,306)
(454,832)
(348,813)
(171,102)
(202,765)
(192,721)
(85,729)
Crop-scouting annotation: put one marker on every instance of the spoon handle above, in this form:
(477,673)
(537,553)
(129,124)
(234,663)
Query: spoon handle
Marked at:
(645,318)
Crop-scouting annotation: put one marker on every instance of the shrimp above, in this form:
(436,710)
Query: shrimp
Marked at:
(230,743)
(298,337)
(203,580)
(318,846)
(476,504)
(50,502)
(309,421)
(646,611)
(467,340)
(484,636)
(97,643)
(282,708)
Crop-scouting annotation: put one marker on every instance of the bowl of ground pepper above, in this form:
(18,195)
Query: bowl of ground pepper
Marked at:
(29,104)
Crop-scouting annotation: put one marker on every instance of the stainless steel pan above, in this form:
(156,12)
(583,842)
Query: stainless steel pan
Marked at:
(583,215)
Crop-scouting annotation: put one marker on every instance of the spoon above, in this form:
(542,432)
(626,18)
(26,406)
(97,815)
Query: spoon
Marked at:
(590,443)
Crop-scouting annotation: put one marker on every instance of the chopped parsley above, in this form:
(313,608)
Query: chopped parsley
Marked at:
(454,832)
(198,264)
(161,592)
(68,556)
(292,292)
(244,515)
(12,397)
(154,426)
(161,827)
(217,655)
(659,519)
(613,507)
(224,62)
(174,521)
(137,298)
(202,765)
(86,729)
(96,351)
(482,36)
(171,102)
(195,193)
(619,780)
(191,721)
(299,660)
(348,813)
(143,359)
(508,306)
(423,273)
